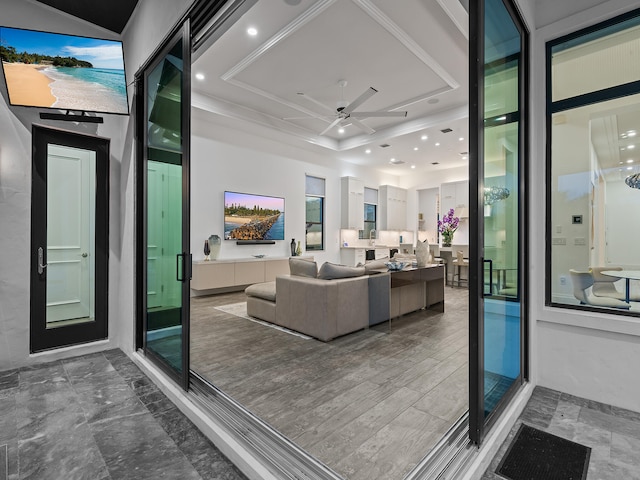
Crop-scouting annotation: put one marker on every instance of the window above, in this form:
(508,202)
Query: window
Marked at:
(370,212)
(593,168)
(314,231)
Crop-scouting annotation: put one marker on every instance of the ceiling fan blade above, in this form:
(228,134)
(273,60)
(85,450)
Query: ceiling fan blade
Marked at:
(378,114)
(308,117)
(360,100)
(333,124)
(313,100)
(362,126)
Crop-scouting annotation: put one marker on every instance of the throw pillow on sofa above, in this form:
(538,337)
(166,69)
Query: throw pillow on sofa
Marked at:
(329,271)
(378,264)
(303,268)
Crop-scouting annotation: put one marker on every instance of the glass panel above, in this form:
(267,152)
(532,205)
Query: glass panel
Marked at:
(313,234)
(597,60)
(501,222)
(71,243)
(595,152)
(164,209)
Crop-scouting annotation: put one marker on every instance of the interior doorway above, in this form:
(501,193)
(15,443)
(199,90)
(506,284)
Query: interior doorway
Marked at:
(69,238)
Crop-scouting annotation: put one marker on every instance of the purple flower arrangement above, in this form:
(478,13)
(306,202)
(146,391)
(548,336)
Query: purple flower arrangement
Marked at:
(447,226)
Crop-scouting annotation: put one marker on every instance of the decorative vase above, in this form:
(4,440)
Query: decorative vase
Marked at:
(298,250)
(446,240)
(215,242)
(293,247)
(422,253)
(207,251)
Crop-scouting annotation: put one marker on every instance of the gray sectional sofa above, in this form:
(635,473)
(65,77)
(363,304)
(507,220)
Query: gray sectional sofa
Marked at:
(331,303)
(335,300)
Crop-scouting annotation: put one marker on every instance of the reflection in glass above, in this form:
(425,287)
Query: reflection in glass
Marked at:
(594,244)
(71,245)
(164,209)
(314,211)
(501,211)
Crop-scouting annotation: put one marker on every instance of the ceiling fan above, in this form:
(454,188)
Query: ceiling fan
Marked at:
(345,111)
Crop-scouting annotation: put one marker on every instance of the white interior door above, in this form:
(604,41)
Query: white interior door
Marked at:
(71,193)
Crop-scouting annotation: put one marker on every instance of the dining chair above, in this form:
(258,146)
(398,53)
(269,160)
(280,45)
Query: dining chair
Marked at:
(458,264)
(604,285)
(582,289)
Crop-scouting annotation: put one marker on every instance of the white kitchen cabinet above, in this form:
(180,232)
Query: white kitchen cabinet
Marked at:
(392,208)
(454,195)
(352,204)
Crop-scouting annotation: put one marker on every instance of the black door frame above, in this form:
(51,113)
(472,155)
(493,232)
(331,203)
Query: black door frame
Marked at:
(42,338)
(478,424)
(180,33)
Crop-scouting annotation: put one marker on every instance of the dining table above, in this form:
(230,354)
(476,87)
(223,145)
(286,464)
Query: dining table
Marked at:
(627,275)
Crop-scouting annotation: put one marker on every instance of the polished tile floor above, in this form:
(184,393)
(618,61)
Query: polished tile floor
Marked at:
(612,433)
(98,417)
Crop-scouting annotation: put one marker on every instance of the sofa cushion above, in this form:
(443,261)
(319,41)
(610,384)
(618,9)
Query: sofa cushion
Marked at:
(378,264)
(329,271)
(266,290)
(303,268)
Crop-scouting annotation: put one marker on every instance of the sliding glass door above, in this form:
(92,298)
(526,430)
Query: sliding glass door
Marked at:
(498,235)
(163,246)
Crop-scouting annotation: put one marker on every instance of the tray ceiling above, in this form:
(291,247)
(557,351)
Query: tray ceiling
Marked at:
(287,77)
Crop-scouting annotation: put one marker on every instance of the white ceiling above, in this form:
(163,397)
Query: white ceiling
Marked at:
(415,56)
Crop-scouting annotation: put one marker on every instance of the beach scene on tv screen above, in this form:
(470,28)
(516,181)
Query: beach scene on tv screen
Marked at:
(253,217)
(50,70)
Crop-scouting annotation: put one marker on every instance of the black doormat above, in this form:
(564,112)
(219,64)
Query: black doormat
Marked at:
(538,455)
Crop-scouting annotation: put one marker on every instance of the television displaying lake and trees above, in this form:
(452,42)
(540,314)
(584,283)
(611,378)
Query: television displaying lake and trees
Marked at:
(253,217)
(66,72)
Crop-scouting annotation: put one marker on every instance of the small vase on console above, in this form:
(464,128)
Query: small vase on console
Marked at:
(422,253)
(298,250)
(215,242)
(207,251)
(293,247)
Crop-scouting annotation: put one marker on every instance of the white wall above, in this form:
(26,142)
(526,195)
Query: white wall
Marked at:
(582,354)
(15,195)
(225,159)
(149,24)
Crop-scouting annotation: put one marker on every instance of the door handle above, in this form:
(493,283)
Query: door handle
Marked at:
(490,262)
(181,269)
(41,264)
(84,255)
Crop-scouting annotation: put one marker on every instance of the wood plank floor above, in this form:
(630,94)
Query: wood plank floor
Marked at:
(370,405)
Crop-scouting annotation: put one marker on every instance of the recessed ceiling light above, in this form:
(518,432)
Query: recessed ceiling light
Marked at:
(621,163)
(424,137)
(631,147)
(461,139)
(341,130)
(415,149)
(413,166)
(367,151)
(631,133)
(200,76)
(252,31)
(629,161)
(465,157)
(629,168)
(437,144)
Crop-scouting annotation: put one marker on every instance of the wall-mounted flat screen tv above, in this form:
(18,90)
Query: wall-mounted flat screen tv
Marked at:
(253,217)
(66,72)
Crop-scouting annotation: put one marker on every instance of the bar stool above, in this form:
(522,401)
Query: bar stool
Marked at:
(459,263)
